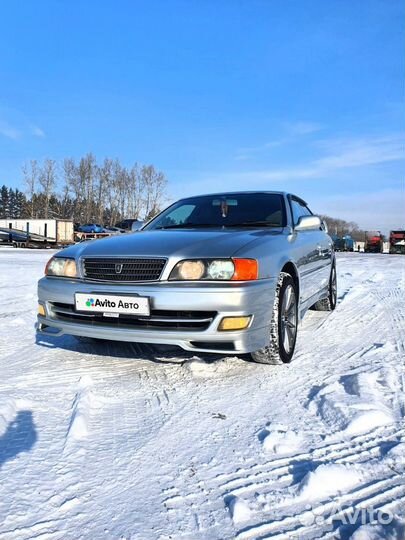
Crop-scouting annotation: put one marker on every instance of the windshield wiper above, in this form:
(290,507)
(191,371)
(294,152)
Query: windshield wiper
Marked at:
(255,224)
(187,225)
(219,225)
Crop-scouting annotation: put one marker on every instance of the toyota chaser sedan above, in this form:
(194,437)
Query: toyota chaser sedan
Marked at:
(224,273)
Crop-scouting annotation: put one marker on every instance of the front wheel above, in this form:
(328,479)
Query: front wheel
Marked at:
(283,326)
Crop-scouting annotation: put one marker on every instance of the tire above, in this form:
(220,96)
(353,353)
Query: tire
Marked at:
(329,303)
(283,326)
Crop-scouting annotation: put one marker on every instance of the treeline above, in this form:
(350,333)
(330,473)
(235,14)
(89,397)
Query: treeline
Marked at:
(85,191)
(340,227)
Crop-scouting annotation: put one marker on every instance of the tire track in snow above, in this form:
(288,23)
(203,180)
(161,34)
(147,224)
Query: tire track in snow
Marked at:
(376,494)
(278,472)
(144,404)
(368,446)
(369,449)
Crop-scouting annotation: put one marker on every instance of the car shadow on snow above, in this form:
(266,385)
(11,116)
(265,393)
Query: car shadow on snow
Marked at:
(160,354)
(20,436)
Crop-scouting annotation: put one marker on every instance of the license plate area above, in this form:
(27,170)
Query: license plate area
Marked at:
(112,304)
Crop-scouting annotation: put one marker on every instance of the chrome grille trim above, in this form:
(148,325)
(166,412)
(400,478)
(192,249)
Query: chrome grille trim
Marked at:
(132,269)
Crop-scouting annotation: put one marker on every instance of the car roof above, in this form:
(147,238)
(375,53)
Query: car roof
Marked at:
(222,193)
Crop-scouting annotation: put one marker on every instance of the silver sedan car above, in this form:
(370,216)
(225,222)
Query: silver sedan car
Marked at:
(225,273)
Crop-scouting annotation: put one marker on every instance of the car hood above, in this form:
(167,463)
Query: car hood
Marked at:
(165,243)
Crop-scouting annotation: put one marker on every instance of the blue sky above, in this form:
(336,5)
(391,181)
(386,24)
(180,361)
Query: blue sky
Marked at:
(300,95)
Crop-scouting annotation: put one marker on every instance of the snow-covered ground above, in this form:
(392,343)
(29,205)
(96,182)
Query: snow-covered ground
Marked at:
(120,441)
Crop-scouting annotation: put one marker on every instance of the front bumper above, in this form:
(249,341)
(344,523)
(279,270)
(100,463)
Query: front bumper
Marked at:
(255,298)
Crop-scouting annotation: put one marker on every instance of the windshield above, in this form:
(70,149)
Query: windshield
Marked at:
(233,210)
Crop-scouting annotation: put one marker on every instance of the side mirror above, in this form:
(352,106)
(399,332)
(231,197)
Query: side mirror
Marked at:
(137,225)
(308,223)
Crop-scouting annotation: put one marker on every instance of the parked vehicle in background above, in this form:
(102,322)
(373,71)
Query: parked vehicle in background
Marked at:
(137,225)
(39,232)
(13,236)
(343,243)
(228,273)
(348,243)
(116,230)
(373,242)
(4,236)
(397,242)
(91,228)
(126,224)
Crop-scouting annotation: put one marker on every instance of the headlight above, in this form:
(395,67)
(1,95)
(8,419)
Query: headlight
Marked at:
(190,270)
(62,267)
(220,269)
(215,270)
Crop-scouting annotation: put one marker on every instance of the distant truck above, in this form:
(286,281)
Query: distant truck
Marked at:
(343,243)
(348,243)
(397,242)
(373,242)
(37,232)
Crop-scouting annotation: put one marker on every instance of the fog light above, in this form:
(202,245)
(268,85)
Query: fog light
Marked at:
(234,323)
(41,310)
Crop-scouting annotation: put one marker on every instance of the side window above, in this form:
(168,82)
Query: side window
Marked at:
(298,210)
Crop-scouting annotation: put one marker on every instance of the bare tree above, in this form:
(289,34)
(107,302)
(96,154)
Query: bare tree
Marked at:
(340,227)
(91,192)
(87,170)
(47,180)
(134,207)
(153,185)
(31,175)
(105,178)
(119,190)
(69,176)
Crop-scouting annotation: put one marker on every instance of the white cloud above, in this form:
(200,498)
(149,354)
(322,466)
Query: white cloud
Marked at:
(343,155)
(302,128)
(9,131)
(37,131)
(361,152)
(289,132)
(15,125)
(242,157)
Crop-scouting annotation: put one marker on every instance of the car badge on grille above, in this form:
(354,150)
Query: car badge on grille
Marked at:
(118,268)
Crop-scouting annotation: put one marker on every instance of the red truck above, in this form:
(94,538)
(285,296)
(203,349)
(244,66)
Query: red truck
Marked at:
(397,242)
(373,242)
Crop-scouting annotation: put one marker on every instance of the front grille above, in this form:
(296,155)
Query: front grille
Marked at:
(161,319)
(122,270)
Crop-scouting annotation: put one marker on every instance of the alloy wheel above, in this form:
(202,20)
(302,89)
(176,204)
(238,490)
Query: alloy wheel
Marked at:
(333,288)
(288,319)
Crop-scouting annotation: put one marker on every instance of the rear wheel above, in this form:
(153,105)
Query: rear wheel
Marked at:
(284,323)
(329,303)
